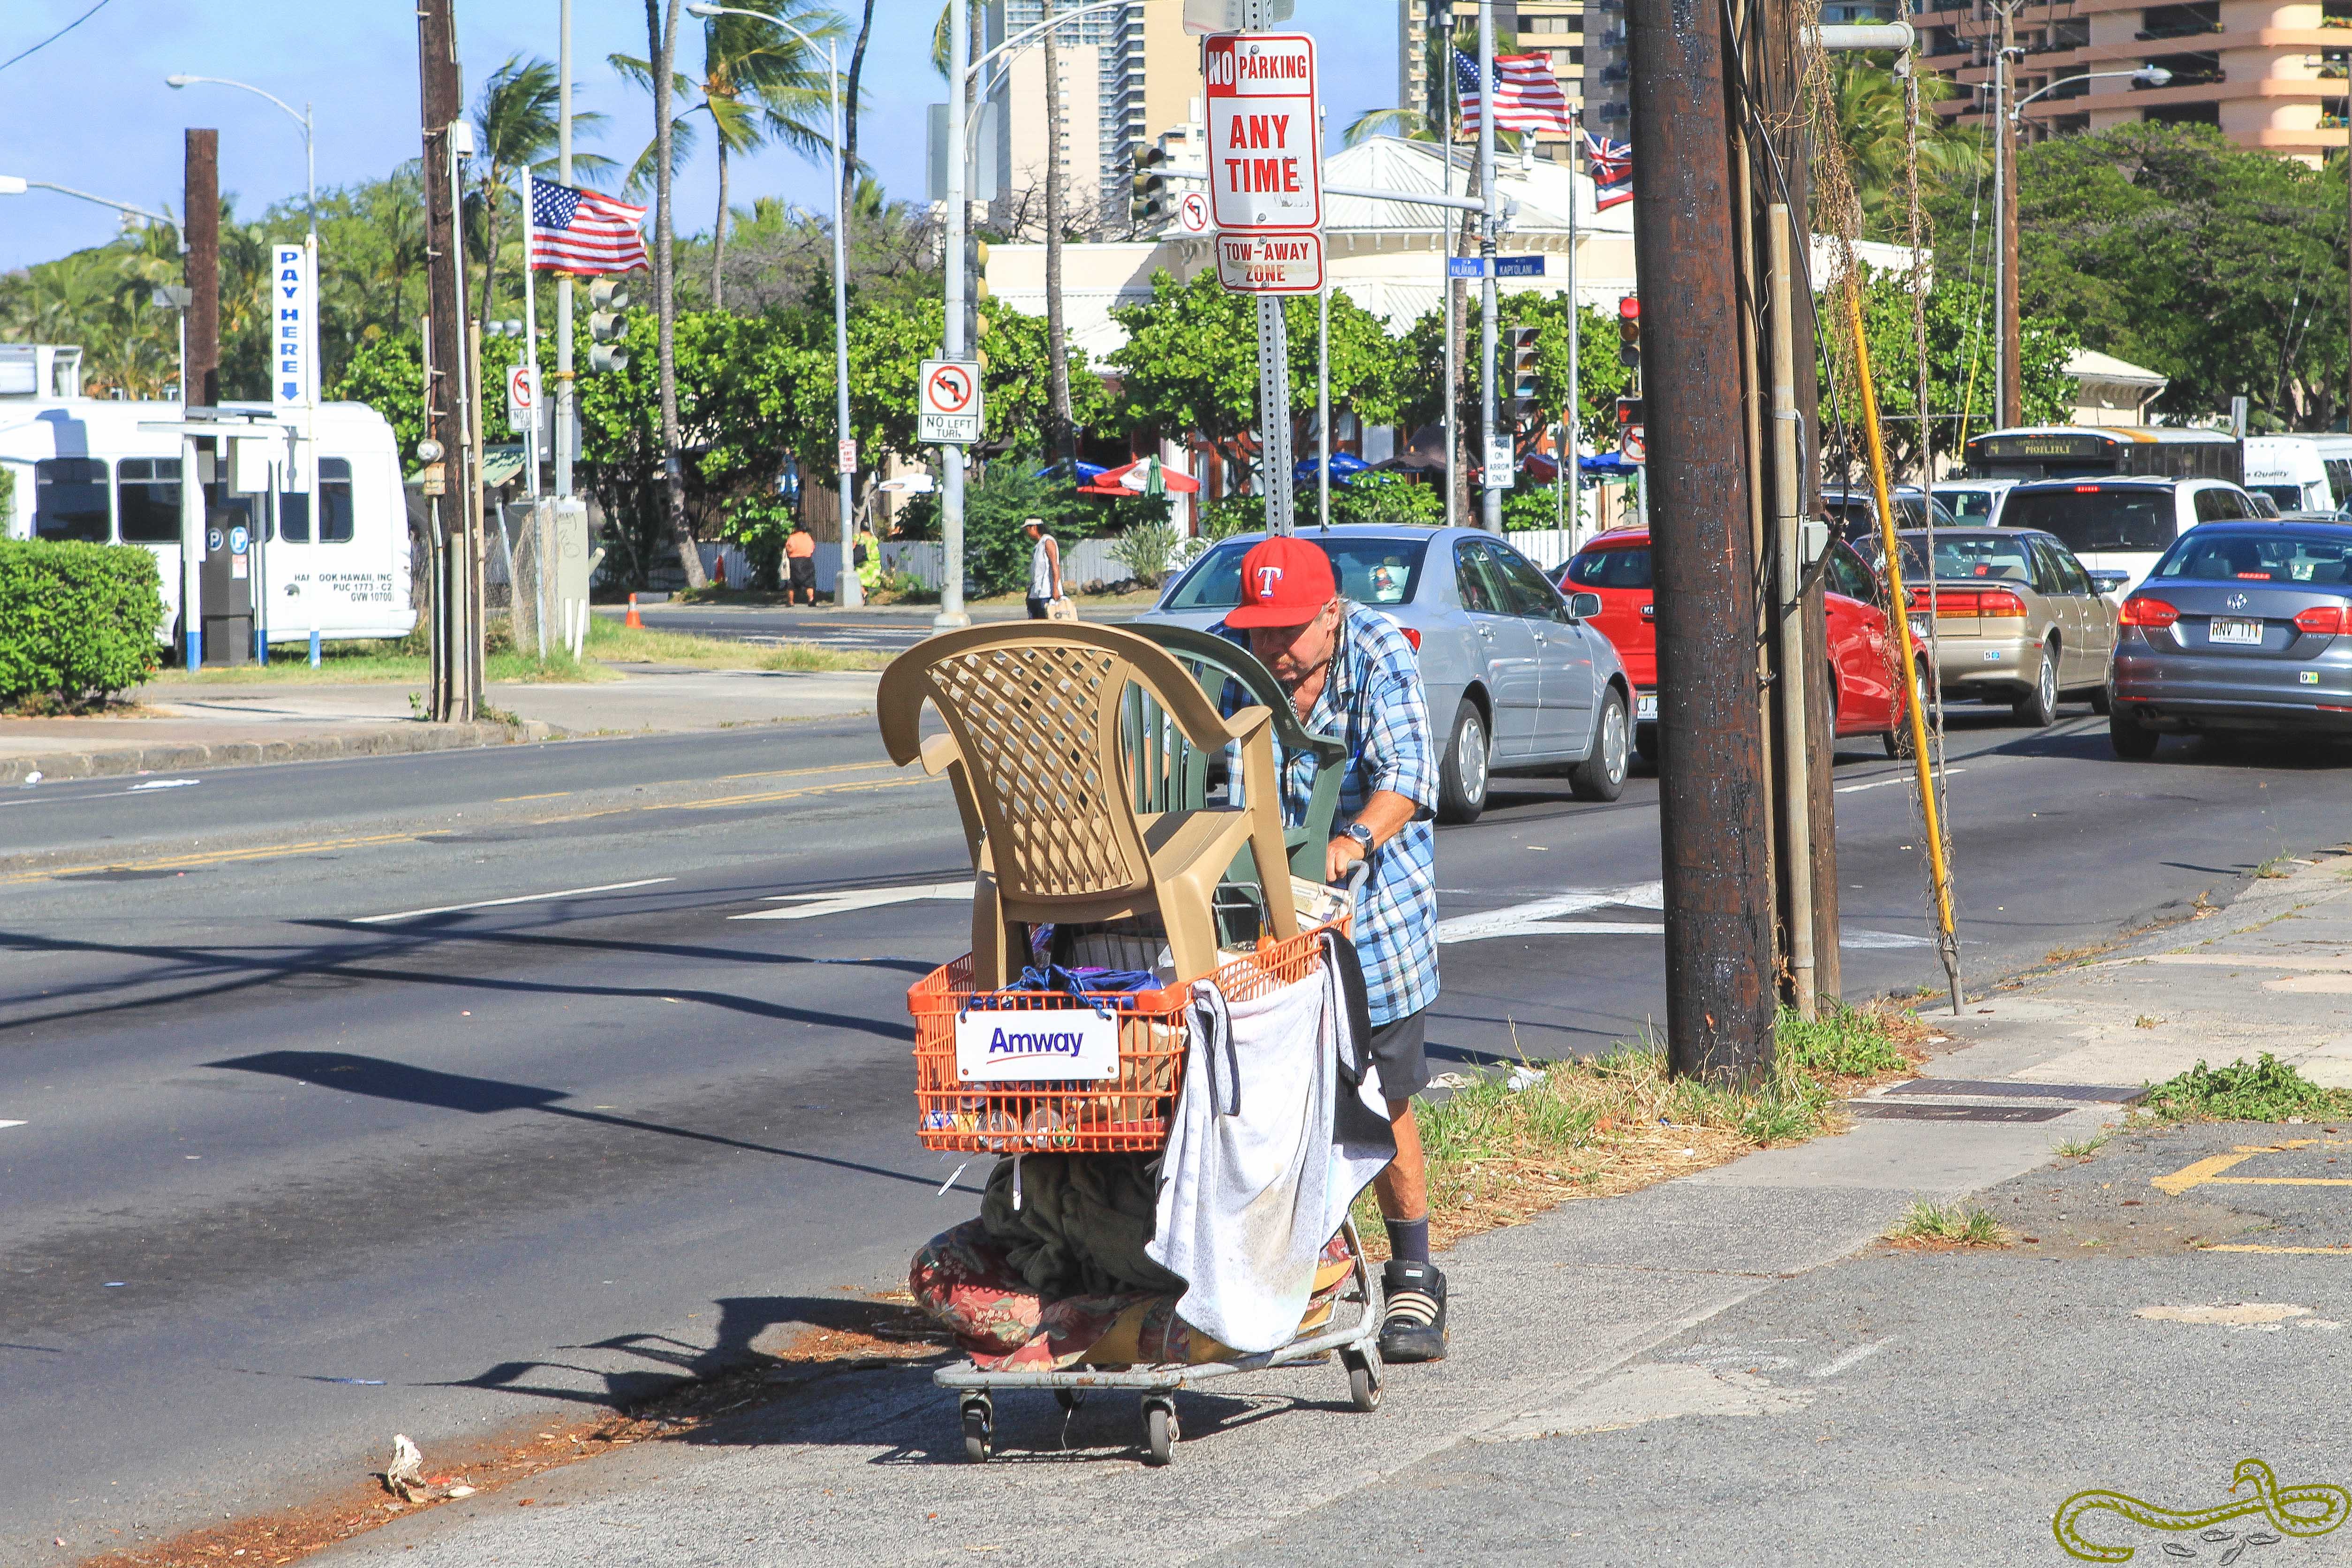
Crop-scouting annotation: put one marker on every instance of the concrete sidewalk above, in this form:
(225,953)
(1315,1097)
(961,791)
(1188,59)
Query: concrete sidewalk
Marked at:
(186,727)
(1726,1368)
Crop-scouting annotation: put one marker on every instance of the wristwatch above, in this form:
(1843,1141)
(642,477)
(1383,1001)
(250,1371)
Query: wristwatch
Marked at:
(1362,835)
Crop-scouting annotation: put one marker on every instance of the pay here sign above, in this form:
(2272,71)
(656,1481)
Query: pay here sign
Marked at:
(1266,165)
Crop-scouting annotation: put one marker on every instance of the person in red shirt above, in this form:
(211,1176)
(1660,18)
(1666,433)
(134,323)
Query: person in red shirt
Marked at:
(800,560)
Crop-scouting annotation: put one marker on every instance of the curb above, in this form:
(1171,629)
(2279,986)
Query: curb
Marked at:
(389,741)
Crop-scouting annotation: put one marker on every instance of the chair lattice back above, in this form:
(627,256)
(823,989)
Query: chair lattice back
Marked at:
(1037,724)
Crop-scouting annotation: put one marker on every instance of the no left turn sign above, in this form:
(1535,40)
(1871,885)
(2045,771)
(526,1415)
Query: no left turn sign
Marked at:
(950,406)
(1192,213)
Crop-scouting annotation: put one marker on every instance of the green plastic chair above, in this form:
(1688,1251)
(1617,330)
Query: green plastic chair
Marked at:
(1172,775)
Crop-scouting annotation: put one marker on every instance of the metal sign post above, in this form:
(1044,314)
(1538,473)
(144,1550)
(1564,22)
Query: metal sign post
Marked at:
(1265,195)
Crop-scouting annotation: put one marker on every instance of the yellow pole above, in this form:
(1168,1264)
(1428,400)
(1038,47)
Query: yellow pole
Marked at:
(1899,613)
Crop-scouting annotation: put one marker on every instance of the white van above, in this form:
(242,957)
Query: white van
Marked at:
(110,472)
(1975,502)
(2300,473)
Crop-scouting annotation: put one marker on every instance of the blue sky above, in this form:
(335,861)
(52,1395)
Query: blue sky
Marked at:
(92,111)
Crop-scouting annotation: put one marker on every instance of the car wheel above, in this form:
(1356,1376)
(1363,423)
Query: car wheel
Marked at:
(1461,775)
(2133,741)
(1601,775)
(1898,739)
(2039,706)
(2099,700)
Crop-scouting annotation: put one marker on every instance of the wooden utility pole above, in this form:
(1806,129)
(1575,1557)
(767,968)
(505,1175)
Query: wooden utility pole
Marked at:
(1714,827)
(200,211)
(2012,402)
(454,637)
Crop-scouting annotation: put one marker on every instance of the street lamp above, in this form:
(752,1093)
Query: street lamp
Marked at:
(301,117)
(2146,76)
(848,592)
(17,185)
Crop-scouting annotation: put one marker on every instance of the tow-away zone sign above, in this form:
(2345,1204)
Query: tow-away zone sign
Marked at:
(1266,161)
(1270,263)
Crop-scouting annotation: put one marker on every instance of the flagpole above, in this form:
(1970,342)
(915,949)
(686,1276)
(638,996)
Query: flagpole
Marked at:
(530,341)
(1572,463)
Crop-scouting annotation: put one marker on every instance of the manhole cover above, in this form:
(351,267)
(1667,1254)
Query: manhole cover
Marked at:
(1881,1110)
(2014,1089)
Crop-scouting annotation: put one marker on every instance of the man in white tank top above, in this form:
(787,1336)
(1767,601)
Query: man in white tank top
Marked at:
(1044,568)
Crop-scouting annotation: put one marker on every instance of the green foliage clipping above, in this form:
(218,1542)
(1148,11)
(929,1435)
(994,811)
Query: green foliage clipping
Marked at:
(2265,1090)
(77,622)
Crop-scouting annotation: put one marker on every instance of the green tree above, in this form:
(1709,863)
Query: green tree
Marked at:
(1601,379)
(516,127)
(1868,99)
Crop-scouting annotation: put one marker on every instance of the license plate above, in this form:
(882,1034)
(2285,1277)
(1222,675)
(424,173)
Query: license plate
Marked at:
(1646,706)
(2221,630)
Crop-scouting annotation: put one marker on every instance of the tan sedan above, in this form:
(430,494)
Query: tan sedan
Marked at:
(2011,617)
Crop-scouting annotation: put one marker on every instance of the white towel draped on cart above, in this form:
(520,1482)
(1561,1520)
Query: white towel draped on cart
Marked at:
(1254,1179)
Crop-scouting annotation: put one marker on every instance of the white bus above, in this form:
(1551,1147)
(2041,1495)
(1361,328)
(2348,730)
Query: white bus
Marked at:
(110,472)
(2302,473)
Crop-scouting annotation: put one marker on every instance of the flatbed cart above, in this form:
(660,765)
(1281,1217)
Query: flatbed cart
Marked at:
(1358,1344)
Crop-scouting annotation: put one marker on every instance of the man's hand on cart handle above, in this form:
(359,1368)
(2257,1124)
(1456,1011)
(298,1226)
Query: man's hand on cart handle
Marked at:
(1384,816)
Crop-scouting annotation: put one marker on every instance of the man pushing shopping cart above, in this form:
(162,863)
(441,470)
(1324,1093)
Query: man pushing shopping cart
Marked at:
(1351,673)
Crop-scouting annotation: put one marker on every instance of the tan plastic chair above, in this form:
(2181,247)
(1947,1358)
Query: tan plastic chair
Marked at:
(1033,752)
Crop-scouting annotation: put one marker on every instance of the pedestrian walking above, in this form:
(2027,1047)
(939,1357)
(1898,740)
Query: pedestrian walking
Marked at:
(868,562)
(800,560)
(1351,673)
(1044,571)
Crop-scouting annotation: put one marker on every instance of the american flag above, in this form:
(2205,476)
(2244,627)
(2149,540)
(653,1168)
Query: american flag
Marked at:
(582,232)
(1612,171)
(1527,95)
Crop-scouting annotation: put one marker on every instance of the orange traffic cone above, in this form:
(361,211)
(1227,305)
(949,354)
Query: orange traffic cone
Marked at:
(632,623)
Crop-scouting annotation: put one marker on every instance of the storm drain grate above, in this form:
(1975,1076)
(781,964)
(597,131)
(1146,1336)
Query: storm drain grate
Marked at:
(1882,1111)
(2014,1088)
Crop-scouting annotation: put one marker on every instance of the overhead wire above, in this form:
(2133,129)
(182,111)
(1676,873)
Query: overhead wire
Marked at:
(53,38)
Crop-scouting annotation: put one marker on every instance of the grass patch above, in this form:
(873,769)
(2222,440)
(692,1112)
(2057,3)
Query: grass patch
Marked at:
(377,661)
(2266,1090)
(615,643)
(1499,1156)
(1952,1225)
(2276,868)
(2080,1148)
(2064,956)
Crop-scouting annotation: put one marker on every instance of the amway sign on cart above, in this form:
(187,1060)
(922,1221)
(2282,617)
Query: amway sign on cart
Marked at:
(1265,161)
(1041,1044)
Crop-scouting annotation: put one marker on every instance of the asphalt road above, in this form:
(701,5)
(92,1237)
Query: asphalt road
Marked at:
(301,1152)
(886,629)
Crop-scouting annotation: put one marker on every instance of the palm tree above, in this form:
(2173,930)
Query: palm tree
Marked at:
(516,127)
(1868,98)
(761,83)
(661,50)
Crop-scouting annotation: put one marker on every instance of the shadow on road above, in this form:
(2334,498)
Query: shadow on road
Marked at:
(383,1079)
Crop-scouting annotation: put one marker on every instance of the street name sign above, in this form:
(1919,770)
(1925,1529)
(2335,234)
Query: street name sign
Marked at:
(951,405)
(1473,266)
(1266,162)
(1270,263)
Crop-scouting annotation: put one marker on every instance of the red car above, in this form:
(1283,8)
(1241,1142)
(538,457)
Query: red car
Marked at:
(1616,566)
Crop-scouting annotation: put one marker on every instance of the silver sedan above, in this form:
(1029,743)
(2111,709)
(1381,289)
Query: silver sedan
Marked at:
(1515,677)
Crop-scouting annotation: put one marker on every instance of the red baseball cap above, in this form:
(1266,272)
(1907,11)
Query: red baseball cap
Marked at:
(1285,582)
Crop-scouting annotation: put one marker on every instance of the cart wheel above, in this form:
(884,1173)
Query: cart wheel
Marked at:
(1069,1398)
(977,1429)
(1160,1431)
(1363,1380)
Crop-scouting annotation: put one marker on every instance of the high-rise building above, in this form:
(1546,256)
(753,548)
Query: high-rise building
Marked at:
(2270,76)
(1560,28)
(1146,82)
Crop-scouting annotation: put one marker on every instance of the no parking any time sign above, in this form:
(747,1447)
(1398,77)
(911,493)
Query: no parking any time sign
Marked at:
(1266,162)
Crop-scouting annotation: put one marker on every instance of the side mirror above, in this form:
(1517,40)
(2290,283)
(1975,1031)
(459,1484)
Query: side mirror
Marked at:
(2110,582)
(1583,606)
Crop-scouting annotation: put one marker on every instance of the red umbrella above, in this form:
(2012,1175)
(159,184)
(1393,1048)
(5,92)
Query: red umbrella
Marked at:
(1135,479)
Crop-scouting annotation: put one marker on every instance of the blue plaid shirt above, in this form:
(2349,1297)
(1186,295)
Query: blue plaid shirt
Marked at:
(1373,703)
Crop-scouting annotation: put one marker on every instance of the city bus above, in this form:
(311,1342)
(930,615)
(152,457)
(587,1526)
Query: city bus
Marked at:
(2106,451)
(108,472)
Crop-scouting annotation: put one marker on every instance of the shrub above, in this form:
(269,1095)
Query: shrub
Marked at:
(1149,550)
(1385,498)
(77,622)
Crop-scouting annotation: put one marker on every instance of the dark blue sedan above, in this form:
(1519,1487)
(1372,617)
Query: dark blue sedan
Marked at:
(2242,627)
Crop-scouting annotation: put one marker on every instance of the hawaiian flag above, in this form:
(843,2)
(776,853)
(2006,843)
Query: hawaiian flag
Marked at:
(584,233)
(1612,171)
(1527,95)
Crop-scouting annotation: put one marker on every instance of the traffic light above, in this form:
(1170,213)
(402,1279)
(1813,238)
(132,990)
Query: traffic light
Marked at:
(606,328)
(1629,334)
(1521,342)
(975,267)
(1148,200)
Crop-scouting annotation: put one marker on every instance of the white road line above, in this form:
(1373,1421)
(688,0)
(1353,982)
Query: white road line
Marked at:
(163,784)
(11,1124)
(1882,784)
(1861,937)
(1536,917)
(522,899)
(810,906)
(1852,1359)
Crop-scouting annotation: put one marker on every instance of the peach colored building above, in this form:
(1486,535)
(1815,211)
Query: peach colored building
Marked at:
(2271,75)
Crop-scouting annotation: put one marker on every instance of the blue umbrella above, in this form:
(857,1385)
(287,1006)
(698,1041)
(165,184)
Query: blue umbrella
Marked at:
(1345,466)
(1087,472)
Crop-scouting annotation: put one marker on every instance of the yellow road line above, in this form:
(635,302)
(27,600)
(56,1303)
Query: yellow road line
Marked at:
(271,851)
(550,794)
(2278,1182)
(2206,1173)
(2204,1169)
(2337,1251)
(791,772)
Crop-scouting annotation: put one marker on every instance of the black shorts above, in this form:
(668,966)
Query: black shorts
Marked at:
(1397,1048)
(803,571)
(1037,607)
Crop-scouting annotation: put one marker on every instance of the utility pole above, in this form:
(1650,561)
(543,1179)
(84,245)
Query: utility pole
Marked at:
(952,612)
(1714,828)
(1491,504)
(445,411)
(200,383)
(2012,408)
(564,389)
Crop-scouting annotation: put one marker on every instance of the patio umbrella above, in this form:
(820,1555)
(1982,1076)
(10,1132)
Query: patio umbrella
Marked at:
(1345,466)
(1144,477)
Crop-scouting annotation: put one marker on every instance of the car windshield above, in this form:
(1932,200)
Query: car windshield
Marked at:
(1623,567)
(2320,560)
(1371,572)
(1968,506)
(2088,517)
(1856,511)
(2287,496)
(1996,556)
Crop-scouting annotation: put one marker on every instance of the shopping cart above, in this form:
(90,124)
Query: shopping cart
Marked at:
(1129,1114)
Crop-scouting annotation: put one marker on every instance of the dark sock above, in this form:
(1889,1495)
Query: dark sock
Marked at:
(1407,1239)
